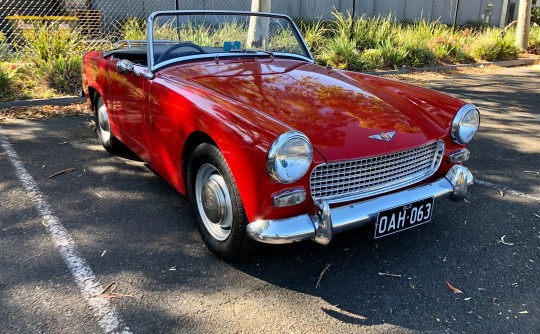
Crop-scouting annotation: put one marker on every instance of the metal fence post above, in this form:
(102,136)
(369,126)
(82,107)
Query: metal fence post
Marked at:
(352,20)
(456,14)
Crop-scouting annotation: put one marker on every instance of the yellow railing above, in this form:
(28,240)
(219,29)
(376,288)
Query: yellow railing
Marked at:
(52,18)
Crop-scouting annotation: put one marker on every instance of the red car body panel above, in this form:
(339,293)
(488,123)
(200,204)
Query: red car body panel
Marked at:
(243,105)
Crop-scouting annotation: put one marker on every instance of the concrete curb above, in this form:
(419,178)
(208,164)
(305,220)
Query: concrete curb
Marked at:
(506,63)
(57,101)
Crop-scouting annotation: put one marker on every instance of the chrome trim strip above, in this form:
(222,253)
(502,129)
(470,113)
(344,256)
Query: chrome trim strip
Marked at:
(150,27)
(322,226)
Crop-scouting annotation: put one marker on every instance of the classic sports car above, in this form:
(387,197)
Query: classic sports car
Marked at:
(231,109)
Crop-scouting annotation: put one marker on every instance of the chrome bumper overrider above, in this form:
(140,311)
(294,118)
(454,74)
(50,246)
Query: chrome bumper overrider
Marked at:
(321,226)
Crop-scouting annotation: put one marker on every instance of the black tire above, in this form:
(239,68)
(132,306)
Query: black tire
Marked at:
(236,244)
(103,128)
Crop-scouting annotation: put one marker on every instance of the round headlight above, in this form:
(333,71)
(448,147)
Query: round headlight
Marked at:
(289,157)
(465,124)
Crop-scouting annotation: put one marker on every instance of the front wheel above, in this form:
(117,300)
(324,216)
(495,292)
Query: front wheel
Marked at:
(103,127)
(217,205)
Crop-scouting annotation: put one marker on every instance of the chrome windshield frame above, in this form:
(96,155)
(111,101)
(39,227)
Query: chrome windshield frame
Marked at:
(150,30)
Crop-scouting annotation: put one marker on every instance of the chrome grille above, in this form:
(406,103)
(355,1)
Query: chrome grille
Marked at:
(350,180)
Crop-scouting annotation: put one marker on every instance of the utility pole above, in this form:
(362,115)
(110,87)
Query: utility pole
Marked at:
(524,24)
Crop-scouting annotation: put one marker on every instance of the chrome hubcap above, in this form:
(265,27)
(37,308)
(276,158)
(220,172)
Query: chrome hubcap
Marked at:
(104,124)
(214,202)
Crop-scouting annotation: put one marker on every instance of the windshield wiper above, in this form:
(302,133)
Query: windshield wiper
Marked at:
(253,51)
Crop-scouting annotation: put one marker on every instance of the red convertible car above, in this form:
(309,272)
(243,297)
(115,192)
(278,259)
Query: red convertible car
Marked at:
(231,109)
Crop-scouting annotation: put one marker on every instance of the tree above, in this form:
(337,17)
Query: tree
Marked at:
(259,26)
(523,25)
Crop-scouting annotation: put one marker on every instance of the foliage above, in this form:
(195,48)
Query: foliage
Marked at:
(410,44)
(368,33)
(56,54)
(133,28)
(535,16)
(371,59)
(315,34)
(491,46)
(341,52)
(534,40)
(21,82)
(476,25)
(394,56)
(6,83)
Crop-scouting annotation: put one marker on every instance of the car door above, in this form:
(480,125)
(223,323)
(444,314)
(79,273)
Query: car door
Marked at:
(127,104)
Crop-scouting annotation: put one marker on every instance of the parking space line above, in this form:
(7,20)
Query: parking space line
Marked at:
(505,189)
(90,288)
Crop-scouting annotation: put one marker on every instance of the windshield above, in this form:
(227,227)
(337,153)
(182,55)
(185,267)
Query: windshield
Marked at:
(182,35)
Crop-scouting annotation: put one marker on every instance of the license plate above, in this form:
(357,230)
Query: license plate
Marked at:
(403,217)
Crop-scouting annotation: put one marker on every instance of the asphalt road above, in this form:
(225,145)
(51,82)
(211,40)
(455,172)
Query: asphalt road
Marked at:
(130,227)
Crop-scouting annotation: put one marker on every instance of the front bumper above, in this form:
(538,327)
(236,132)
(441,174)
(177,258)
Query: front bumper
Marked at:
(321,226)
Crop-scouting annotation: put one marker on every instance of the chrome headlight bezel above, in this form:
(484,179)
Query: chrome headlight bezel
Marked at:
(277,146)
(462,113)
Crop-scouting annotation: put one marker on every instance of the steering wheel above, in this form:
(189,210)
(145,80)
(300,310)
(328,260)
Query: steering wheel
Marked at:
(167,52)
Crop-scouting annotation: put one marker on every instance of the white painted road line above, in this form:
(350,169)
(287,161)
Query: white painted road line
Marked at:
(81,271)
(507,190)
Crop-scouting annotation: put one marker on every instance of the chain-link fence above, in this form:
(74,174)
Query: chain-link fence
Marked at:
(100,20)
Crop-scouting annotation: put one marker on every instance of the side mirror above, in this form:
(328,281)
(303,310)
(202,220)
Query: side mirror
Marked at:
(124,66)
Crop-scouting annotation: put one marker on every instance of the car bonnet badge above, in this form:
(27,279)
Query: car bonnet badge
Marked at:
(385,136)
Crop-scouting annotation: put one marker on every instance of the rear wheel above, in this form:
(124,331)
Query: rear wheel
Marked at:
(217,205)
(103,127)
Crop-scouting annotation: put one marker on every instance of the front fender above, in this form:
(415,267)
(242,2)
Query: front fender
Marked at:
(179,108)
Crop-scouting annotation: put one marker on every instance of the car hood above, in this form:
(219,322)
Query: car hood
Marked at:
(339,111)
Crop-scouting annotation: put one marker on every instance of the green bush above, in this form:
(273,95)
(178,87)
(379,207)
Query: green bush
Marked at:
(490,46)
(394,56)
(369,32)
(419,55)
(63,74)
(6,84)
(315,34)
(56,55)
(534,40)
(449,48)
(535,16)
(371,59)
(132,28)
(341,52)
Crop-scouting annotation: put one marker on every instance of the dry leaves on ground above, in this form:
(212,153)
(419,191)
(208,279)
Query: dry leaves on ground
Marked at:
(426,77)
(453,288)
(41,112)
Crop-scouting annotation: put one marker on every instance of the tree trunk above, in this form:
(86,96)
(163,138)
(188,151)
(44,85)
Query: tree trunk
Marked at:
(524,24)
(259,26)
